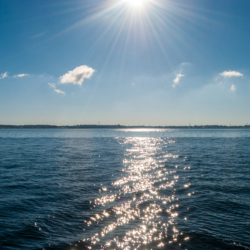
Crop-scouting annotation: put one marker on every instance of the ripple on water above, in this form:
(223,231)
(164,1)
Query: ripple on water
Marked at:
(145,192)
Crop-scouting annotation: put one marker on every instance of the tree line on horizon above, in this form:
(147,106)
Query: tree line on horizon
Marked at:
(117,126)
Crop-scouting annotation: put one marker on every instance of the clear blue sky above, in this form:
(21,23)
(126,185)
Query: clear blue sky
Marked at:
(154,63)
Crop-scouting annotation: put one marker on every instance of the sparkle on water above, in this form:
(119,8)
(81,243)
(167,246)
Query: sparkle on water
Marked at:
(134,214)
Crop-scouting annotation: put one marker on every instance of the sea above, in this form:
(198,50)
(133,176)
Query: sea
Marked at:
(124,189)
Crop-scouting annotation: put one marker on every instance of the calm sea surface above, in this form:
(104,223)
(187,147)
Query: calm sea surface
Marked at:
(124,189)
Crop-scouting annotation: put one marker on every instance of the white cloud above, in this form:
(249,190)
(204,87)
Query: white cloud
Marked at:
(231,74)
(59,91)
(4,75)
(233,88)
(52,85)
(21,75)
(77,75)
(177,79)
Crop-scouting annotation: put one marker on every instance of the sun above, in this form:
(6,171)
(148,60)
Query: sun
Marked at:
(136,3)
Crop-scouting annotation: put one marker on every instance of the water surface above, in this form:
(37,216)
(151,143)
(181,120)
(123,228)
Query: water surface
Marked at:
(124,189)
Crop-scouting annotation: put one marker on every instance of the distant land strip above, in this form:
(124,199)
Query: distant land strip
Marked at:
(118,126)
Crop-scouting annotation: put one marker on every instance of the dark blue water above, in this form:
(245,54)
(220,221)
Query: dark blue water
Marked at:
(124,189)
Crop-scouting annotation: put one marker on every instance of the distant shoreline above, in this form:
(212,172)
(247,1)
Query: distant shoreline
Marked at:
(120,127)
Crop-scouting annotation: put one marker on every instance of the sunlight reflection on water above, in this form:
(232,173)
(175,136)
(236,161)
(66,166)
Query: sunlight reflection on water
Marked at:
(140,212)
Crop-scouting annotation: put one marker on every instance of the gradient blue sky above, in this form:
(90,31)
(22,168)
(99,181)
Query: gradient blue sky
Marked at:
(167,63)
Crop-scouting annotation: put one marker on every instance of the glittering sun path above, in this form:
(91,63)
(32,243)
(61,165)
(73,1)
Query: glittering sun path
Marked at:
(143,209)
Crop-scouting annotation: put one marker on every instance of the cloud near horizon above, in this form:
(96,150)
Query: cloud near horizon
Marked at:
(20,75)
(58,91)
(4,75)
(177,79)
(231,73)
(77,75)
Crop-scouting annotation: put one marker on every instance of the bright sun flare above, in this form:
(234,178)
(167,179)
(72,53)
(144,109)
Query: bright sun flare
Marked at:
(136,3)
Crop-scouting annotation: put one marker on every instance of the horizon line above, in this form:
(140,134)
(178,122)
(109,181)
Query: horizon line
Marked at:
(121,126)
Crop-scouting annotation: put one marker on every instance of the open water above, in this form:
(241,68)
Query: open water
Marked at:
(124,189)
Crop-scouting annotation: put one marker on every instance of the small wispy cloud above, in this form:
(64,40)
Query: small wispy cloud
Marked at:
(177,79)
(52,85)
(233,88)
(185,63)
(38,35)
(20,75)
(77,75)
(58,91)
(4,75)
(231,73)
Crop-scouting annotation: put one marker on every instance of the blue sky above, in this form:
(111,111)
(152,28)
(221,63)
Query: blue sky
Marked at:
(160,63)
